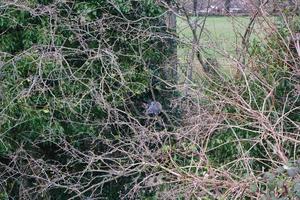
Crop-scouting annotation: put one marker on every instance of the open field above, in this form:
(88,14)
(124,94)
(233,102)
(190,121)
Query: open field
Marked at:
(224,31)
(220,39)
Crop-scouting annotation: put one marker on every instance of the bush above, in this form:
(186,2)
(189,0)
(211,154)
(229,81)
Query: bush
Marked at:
(74,77)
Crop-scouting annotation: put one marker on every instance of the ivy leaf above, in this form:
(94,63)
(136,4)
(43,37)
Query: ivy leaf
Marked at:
(45,111)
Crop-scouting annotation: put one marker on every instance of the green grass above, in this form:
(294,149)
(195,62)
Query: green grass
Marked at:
(220,38)
(223,30)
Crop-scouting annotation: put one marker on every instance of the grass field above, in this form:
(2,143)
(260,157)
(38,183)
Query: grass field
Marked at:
(220,38)
(223,30)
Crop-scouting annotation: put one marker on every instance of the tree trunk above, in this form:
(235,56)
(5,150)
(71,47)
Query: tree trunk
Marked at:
(195,5)
(227,6)
(171,25)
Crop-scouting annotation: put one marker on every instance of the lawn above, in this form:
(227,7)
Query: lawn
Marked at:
(219,40)
(223,30)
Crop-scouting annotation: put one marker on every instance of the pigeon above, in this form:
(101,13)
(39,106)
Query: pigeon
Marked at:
(292,171)
(153,108)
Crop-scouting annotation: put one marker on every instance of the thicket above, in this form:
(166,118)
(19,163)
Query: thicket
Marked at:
(74,76)
(258,140)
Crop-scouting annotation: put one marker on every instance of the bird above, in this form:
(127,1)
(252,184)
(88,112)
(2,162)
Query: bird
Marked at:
(153,108)
(292,171)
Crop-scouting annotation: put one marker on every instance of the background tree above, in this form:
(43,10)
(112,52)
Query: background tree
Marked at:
(227,5)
